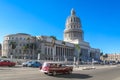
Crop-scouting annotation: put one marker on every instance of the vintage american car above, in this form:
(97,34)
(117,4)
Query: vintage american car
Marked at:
(31,64)
(7,63)
(55,68)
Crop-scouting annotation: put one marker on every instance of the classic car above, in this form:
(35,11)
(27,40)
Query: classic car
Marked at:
(31,64)
(25,64)
(55,68)
(7,63)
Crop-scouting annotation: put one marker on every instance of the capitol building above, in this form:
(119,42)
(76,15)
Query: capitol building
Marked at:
(25,46)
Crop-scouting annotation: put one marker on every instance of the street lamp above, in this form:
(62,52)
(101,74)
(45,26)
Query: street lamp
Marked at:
(38,56)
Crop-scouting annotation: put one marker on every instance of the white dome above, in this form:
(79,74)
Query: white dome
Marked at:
(73,28)
(73,19)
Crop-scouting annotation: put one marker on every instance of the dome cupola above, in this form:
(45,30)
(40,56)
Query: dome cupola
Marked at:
(72,12)
(73,28)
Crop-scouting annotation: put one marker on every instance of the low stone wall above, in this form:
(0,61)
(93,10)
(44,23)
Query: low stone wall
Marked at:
(94,67)
(20,61)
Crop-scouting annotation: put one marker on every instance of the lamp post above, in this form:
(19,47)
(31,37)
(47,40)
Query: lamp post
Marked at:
(74,61)
(92,62)
(38,56)
(77,46)
(11,56)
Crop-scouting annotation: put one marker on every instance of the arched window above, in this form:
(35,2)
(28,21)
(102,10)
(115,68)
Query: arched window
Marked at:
(71,19)
(74,26)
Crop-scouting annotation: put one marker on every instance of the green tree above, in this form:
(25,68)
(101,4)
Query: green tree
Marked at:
(77,46)
(101,54)
(53,44)
(33,46)
(53,37)
(63,42)
(24,48)
(12,46)
(39,48)
(105,56)
(28,45)
(4,57)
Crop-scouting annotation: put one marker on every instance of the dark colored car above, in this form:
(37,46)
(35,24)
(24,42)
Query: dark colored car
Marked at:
(7,63)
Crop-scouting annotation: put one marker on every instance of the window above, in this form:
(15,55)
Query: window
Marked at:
(45,50)
(74,26)
(12,37)
(20,38)
(71,19)
(74,19)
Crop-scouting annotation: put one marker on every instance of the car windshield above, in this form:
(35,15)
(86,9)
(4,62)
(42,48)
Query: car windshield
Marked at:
(46,64)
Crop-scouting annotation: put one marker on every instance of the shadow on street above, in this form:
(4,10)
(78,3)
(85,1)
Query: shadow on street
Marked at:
(74,76)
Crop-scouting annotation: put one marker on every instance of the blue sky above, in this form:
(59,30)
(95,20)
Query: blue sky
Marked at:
(100,20)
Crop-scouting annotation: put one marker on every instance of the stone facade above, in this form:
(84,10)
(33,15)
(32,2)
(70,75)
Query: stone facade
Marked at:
(73,33)
(112,57)
(47,48)
(55,49)
(20,40)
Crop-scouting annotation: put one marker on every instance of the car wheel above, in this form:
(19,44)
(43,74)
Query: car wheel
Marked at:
(70,71)
(10,65)
(54,73)
(24,66)
(45,73)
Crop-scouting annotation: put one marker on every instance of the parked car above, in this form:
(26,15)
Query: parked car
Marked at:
(7,63)
(25,64)
(55,68)
(31,64)
(34,64)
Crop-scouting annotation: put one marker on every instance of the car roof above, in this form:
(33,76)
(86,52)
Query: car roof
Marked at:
(55,62)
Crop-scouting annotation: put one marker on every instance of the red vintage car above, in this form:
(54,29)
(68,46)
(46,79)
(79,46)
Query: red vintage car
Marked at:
(7,63)
(55,68)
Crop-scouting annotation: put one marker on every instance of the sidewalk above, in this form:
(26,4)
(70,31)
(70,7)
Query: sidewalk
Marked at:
(93,67)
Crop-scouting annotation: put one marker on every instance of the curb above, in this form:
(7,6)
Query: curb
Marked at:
(92,67)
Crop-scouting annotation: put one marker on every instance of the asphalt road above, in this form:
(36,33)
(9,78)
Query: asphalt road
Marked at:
(20,73)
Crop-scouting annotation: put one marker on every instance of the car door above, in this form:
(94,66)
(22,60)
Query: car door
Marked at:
(4,63)
(63,70)
(60,68)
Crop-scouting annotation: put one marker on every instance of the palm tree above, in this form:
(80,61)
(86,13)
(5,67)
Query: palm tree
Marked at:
(53,37)
(53,44)
(63,42)
(12,46)
(101,54)
(77,46)
(28,45)
(33,46)
(24,48)
(39,48)
(105,56)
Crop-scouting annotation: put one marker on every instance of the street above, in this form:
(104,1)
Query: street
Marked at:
(22,73)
